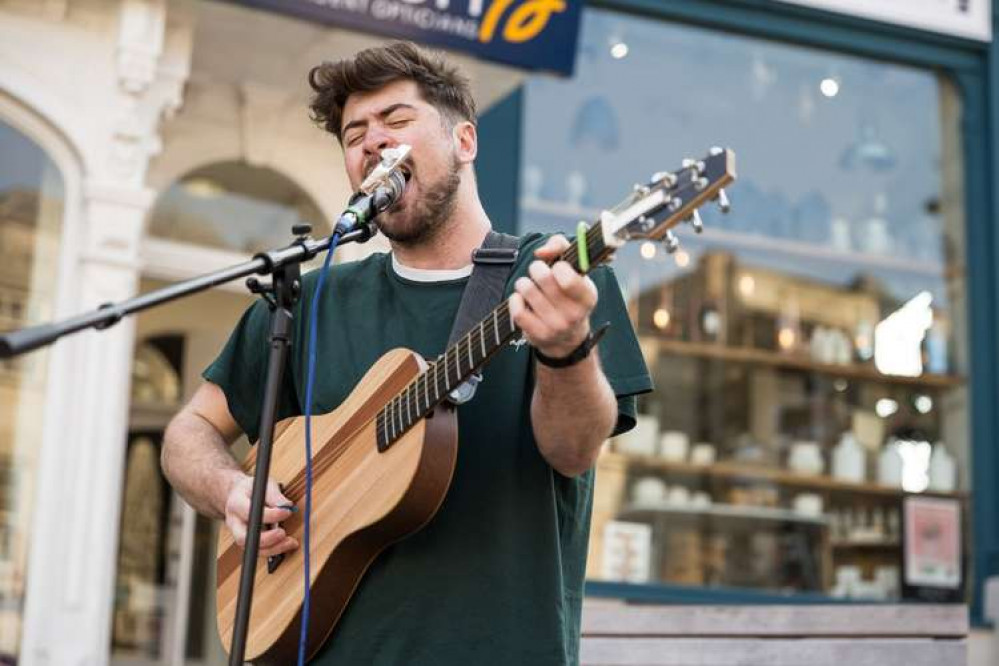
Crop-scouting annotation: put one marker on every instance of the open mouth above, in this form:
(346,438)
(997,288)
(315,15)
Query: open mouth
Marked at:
(406,170)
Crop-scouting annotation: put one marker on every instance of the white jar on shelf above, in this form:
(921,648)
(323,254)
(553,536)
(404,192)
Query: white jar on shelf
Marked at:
(849,460)
(943,470)
(890,465)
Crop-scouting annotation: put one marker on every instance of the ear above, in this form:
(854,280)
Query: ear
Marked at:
(466,139)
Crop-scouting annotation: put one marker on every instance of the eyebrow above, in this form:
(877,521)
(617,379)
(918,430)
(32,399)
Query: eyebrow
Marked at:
(384,113)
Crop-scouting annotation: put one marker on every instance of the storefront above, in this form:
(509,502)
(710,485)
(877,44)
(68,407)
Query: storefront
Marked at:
(820,354)
(823,423)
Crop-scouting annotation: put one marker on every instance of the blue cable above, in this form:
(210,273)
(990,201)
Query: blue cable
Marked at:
(303,637)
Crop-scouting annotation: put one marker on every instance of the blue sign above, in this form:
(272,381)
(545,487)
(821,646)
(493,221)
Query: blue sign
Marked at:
(532,34)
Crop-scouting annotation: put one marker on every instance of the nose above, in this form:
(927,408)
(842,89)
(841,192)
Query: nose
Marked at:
(375,141)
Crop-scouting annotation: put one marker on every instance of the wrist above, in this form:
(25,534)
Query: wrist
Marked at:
(575,355)
(567,345)
(225,481)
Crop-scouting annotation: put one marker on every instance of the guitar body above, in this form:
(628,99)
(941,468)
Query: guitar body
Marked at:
(363,500)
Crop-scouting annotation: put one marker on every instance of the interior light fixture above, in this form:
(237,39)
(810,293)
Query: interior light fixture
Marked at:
(619,50)
(661,318)
(648,250)
(885,407)
(829,87)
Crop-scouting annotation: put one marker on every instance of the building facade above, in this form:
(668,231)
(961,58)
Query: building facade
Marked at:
(144,142)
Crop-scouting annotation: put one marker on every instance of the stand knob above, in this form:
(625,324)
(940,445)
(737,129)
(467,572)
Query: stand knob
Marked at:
(301,229)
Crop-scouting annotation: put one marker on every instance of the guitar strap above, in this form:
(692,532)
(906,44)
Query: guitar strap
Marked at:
(491,266)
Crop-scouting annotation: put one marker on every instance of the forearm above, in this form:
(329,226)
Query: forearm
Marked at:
(198,464)
(573,411)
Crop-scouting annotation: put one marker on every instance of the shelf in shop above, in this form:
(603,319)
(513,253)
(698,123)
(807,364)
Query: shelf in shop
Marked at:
(734,471)
(715,351)
(738,511)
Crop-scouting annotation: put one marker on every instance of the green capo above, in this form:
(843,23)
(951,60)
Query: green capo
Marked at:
(581,248)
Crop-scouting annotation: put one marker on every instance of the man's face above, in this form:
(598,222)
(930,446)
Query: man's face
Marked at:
(394,115)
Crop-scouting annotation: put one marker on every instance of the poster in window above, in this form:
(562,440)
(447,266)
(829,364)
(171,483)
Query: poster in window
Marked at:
(932,554)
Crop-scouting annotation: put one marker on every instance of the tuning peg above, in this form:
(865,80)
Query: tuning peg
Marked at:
(723,202)
(665,177)
(696,166)
(670,242)
(696,222)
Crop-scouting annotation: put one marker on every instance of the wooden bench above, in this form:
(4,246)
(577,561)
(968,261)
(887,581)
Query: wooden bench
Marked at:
(619,634)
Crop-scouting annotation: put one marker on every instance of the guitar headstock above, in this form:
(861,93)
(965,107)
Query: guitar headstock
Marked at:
(652,210)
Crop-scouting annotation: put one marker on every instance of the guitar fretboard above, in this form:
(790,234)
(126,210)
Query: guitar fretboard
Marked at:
(467,356)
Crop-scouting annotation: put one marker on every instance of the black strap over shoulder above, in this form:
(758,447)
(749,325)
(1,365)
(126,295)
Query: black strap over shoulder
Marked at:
(491,266)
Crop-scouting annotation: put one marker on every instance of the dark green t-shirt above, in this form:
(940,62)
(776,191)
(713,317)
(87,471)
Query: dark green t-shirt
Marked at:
(496,577)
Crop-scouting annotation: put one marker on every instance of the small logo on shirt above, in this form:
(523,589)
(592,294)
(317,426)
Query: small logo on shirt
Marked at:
(518,343)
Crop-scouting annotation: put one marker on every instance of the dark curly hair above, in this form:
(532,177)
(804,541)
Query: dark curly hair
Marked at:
(440,83)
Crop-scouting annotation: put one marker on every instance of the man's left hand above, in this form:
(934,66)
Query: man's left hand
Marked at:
(552,307)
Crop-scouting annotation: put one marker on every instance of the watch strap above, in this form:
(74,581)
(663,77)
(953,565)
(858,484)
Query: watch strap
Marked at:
(577,354)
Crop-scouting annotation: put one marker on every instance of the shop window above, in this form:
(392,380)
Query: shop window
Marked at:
(31,213)
(234,206)
(809,349)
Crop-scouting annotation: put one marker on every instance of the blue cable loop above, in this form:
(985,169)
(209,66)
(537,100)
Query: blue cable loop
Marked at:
(303,637)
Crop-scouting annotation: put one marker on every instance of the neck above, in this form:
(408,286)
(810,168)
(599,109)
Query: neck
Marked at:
(463,232)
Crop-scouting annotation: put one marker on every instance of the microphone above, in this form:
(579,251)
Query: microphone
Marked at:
(382,188)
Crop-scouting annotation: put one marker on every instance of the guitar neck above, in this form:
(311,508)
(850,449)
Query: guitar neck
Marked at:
(470,353)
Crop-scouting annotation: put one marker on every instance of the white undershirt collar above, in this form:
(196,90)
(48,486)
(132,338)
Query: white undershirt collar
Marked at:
(429,274)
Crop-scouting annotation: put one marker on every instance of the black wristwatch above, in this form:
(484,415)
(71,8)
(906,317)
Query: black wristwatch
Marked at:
(577,354)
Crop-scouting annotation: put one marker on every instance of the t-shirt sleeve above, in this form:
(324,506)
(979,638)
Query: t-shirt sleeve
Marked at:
(241,372)
(620,355)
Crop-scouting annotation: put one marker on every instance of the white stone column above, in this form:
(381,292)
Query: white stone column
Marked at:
(74,549)
(73,557)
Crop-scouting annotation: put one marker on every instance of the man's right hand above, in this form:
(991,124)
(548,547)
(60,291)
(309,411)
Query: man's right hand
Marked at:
(237,514)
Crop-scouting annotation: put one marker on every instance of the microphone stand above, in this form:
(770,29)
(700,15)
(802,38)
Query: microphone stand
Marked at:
(284,265)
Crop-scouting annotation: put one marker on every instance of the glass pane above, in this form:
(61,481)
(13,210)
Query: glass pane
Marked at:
(31,212)
(234,206)
(808,348)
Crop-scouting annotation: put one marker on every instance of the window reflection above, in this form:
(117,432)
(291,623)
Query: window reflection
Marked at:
(808,348)
(31,212)
(234,206)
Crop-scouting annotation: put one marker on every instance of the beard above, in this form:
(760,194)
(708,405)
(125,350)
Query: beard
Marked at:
(423,219)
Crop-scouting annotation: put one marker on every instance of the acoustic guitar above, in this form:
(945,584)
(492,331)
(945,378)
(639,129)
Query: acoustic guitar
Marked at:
(383,460)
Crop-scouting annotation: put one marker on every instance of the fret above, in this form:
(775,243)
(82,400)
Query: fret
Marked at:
(496,334)
(391,424)
(447,363)
(405,396)
(482,339)
(426,389)
(468,347)
(396,418)
(438,391)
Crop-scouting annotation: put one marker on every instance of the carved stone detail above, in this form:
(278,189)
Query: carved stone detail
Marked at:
(153,62)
